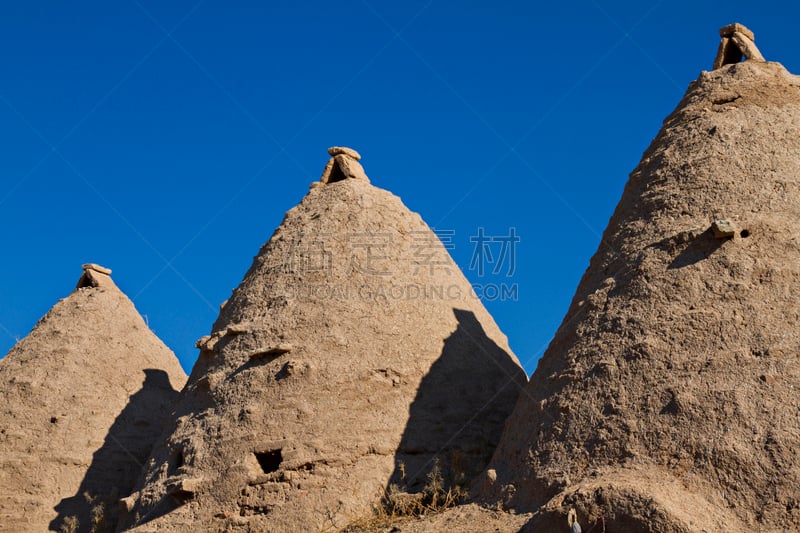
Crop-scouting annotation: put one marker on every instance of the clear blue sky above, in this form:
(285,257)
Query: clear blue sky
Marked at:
(166,139)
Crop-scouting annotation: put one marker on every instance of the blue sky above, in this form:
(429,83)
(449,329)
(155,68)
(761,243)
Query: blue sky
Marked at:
(166,139)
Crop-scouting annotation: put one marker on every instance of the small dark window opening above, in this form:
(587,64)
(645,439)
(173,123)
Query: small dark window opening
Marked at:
(269,461)
(85,281)
(336,174)
(732,54)
(744,234)
(175,462)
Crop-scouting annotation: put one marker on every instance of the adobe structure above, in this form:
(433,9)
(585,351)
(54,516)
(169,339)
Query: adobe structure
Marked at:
(667,400)
(84,396)
(354,355)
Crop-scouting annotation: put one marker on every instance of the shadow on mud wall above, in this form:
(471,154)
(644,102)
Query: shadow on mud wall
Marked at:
(457,416)
(699,249)
(117,464)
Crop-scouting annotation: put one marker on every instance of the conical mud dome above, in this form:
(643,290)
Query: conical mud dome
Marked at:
(668,399)
(353,355)
(84,397)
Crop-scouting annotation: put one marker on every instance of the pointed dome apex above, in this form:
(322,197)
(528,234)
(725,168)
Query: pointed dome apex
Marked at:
(353,356)
(343,164)
(95,275)
(737,42)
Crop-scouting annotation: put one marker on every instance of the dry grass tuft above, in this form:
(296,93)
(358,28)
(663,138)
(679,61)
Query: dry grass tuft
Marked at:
(395,504)
(100,519)
(70,525)
(103,518)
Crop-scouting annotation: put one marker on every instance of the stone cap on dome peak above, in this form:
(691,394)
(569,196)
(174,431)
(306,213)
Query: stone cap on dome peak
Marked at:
(737,42)
(343,164)
(95,275)
(730,29)
(333,151)
(97,268)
